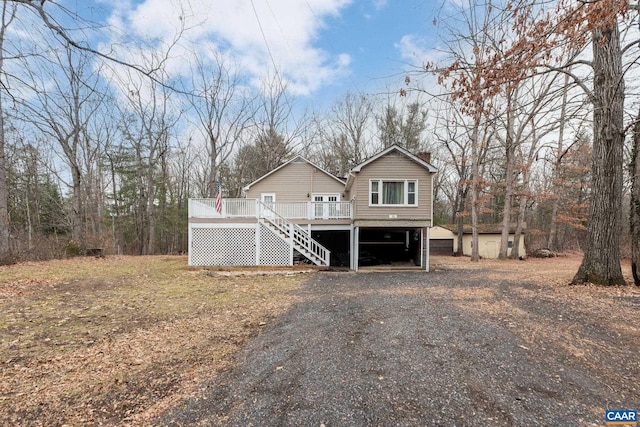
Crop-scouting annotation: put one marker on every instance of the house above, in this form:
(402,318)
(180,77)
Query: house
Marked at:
(380,214)
(444,240)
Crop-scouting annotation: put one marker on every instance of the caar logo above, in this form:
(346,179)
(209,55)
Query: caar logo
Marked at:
(621,417)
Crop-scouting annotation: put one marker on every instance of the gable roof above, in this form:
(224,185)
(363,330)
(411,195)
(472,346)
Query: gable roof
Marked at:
(482,228)
(294,159)
(350,179)
(401,150)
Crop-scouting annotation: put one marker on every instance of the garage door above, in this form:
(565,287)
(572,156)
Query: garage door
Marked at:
(441,246)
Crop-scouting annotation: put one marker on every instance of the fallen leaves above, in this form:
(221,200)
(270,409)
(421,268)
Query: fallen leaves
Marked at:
(116,340)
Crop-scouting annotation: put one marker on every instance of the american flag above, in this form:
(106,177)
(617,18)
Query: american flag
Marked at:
(219,199)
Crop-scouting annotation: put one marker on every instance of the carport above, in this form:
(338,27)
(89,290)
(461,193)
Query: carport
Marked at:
(337,241)
(390,247)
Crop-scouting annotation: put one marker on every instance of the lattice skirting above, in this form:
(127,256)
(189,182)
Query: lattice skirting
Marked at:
(245,245)
(273,249)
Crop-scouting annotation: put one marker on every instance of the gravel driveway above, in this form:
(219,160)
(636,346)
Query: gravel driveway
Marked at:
(447,348)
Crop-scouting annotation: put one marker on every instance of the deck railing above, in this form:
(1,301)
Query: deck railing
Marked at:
(250,208)
(302,240)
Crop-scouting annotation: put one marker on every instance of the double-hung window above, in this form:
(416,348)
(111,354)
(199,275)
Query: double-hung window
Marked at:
(393,192)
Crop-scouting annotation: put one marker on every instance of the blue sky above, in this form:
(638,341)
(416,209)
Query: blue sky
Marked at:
(379,42)
(322,48)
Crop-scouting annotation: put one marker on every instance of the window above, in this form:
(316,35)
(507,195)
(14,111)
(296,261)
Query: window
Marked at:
(375,195)
(393,192)
(411,192)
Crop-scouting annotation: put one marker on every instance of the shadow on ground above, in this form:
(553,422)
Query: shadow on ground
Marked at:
(440,349)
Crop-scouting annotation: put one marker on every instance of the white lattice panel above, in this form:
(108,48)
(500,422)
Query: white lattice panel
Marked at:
(222,246)
(273,249)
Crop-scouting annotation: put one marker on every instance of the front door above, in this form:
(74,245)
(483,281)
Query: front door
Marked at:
(325,206)
(267,199)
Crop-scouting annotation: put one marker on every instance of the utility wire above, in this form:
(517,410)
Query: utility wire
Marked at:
(266,43)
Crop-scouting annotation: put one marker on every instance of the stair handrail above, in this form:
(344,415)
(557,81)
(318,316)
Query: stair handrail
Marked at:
(298,234)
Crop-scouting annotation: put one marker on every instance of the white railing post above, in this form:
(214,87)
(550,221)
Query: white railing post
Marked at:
(299,237)
(249,208)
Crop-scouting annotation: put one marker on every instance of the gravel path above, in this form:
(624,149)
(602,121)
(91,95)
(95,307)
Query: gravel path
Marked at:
(448,348)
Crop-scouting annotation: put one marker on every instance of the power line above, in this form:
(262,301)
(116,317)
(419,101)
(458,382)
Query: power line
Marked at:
(355,85)
(266,43)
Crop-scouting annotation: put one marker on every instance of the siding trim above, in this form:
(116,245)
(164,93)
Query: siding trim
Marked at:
(401,150)
(246,187)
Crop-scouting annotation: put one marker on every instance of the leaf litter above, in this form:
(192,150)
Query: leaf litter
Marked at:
(116,340)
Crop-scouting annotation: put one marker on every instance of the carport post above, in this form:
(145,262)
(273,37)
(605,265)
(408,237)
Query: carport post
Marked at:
(427,234)
(354,248)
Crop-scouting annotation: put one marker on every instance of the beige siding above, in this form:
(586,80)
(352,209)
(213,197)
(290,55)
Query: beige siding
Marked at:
(488,245)
(293,182)
(438,232)
(392,166)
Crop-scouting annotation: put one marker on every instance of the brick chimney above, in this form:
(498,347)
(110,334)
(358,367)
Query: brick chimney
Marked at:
(424,155)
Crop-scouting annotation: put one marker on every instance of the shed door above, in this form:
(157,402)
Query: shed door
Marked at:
(491,249)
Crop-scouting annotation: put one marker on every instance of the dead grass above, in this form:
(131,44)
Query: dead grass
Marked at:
(502,295)
(556,271)
(115,340)
(118,340)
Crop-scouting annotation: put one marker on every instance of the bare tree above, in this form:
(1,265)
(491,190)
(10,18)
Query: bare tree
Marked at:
(555,36)
(634,169)
(530,107)
(65,100)
(403,128)
(346,131)
(8,15)
(224,110)
(148,125)
(44,20)
(470,90)
(601,263)
(278,132)
(453,131)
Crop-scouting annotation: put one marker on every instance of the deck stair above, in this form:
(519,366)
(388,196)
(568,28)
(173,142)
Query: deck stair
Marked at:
(290,232)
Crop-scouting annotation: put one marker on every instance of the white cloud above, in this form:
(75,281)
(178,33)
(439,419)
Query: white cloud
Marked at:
(412,49)
(256,33)
(380,4)
(417,52)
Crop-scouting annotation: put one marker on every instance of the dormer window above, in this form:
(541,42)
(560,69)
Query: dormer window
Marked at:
(393,192)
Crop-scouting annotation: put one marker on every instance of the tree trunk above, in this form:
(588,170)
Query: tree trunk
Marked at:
(508,189)
(76,204)
(4,191)
(634,219)
(506,216)
(5,249)
(522,210)
(460,222)
(475,183)
(151,212)
(116,220)
(553,229)
(213,166)
(515,250)
(601,262)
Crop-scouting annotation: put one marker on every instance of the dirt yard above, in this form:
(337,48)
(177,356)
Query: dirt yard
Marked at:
(118,339)
(467,345)
(123,340)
